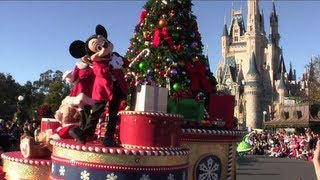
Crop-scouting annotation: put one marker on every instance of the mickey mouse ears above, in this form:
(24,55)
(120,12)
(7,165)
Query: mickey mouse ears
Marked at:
(77,49)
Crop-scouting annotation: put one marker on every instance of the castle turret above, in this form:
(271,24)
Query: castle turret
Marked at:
(282,90)
(225,39)
(252,91)
(281,68)
(274,36)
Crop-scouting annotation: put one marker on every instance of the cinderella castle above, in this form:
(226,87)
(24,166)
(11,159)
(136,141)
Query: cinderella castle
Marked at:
(252,67)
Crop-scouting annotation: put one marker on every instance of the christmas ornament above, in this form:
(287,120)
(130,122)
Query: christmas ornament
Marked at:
(169,60)
(147,43)
(172,13)
(142,65)
(145,52)
(173,72)
(175,35)
(150,72)
(164,16)
(145,34)
(194,59)
(194,44)
(176,86)
(162,23)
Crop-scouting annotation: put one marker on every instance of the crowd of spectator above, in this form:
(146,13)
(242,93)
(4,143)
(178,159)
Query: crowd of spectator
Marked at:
(11,132)
(284,144)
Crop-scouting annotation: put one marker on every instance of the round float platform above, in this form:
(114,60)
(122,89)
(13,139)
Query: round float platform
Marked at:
(16,166)
(71,160)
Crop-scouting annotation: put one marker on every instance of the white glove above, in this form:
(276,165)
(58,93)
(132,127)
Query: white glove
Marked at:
(116,62)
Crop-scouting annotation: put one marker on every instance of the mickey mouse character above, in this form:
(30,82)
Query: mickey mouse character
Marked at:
(109,86)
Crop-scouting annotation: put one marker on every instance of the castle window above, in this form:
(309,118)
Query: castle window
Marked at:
(236,31)
(236,39)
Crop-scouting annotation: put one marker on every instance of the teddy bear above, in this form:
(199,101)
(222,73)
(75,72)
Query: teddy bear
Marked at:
(68,116)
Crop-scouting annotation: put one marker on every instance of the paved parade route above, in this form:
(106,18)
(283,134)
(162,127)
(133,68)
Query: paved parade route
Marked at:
(268,168)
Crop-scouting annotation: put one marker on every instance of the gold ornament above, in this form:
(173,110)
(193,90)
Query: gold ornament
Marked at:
(145,34)
(172,13)
(163,22)
(194,59)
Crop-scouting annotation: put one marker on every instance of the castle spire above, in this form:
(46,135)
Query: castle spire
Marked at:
(282,66)
(225,28)
(282,85)
(253,16)
(290,75)
(274,34)
(253,70)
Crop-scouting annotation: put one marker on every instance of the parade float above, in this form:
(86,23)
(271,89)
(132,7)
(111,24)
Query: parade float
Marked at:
(176,125)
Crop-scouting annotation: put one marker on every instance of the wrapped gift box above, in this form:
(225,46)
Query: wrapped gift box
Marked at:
(221,110)
(151,98)
(49,123)
(188,107)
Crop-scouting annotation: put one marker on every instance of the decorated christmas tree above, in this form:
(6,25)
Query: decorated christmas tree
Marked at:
(167,51)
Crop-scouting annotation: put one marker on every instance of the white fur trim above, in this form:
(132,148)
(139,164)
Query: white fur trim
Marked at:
(70,124)
(68,76)
(79,100)
(55,137)
(81,65)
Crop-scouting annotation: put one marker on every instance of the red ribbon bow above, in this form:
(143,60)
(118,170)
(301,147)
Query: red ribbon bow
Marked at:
(157,37)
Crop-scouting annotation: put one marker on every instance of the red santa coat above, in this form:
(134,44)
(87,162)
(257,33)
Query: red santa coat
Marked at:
(82,73)
(103,84)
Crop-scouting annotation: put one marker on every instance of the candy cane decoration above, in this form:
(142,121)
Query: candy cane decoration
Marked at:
(99,128)
(145,52)
(133,75)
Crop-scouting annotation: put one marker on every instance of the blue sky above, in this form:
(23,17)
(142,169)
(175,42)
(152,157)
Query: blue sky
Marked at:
(35,35)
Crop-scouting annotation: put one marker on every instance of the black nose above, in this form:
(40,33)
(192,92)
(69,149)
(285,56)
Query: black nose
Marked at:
(105,44)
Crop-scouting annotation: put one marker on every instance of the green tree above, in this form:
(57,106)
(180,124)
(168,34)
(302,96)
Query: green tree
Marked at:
(8,89)
(170,31)
(314,81)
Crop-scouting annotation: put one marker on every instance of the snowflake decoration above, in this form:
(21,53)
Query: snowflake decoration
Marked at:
(62,170)
(145,177)
(85,175)
(52,168)
(112,177)
(170,177)
(208,168)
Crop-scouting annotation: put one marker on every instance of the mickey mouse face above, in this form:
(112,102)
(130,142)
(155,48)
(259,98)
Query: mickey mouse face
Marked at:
(97,47)
(97,44)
